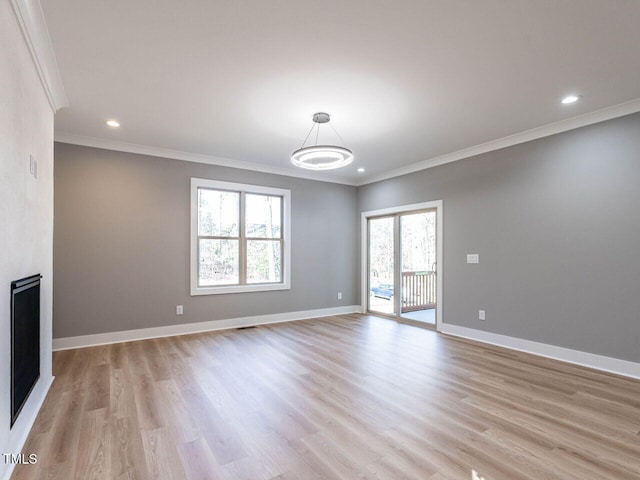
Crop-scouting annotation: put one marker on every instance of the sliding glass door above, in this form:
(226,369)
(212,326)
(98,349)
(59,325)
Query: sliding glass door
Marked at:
(402,266)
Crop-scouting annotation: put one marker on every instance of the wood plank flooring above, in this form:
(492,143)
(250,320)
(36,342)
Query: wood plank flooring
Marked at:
(345,397)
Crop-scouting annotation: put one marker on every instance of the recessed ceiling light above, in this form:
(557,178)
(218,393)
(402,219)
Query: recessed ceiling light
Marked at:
(570,99)
(113,123)
(361,169)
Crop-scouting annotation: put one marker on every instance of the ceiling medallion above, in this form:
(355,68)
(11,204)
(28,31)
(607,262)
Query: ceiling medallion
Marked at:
(321,157)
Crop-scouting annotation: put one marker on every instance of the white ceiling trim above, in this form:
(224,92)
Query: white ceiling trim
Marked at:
(34,29)
(64,137)
(602,115)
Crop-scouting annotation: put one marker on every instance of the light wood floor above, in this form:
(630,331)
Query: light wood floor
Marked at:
(344,397)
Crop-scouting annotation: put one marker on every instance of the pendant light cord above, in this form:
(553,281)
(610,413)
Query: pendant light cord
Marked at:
(339,136)
(307,137)
(318,134)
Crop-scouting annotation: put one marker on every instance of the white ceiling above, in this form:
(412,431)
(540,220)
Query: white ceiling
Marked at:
(405,81)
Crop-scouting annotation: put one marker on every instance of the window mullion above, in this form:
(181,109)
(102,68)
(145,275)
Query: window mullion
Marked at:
(243,240)
(217,237)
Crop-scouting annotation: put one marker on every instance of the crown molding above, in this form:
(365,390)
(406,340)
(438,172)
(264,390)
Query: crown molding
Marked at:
(608,113)
(572,123)
(34,30)
(65,137)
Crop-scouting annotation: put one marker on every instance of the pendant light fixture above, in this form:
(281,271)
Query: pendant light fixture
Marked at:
(321,157)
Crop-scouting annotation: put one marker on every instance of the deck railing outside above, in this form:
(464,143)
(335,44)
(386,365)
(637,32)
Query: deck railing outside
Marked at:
(418,291)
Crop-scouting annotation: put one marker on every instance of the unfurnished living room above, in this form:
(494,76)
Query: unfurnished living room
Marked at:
(253,240)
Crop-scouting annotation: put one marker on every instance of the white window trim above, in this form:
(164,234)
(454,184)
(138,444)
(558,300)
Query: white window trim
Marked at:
(286,237)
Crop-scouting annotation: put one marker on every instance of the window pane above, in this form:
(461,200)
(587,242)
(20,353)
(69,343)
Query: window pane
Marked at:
(218,213)
(218,262)
(382,265)
(263,216)
(263,261)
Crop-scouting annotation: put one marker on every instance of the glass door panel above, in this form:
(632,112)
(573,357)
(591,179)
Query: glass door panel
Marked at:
(382,265)
(418,266)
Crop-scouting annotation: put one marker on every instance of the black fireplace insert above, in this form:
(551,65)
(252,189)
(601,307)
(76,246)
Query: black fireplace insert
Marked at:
(25,340)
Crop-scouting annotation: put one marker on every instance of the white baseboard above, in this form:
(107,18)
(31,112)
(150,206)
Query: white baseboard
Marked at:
(171,330)
(591,360)
(27,423)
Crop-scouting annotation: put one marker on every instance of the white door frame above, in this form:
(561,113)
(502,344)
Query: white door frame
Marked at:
(364,235)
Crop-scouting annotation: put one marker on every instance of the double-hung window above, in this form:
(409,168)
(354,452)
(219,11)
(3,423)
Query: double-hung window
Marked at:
(239,237)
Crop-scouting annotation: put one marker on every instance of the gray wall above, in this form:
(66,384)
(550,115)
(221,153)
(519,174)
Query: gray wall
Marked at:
(555,222)
(121,244)
(557,225)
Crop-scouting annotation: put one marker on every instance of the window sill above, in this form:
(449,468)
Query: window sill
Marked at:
(239,289)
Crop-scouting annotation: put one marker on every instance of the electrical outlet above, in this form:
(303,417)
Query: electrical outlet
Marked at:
(473,258)
(481,315)
(179,310)
(339,295)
